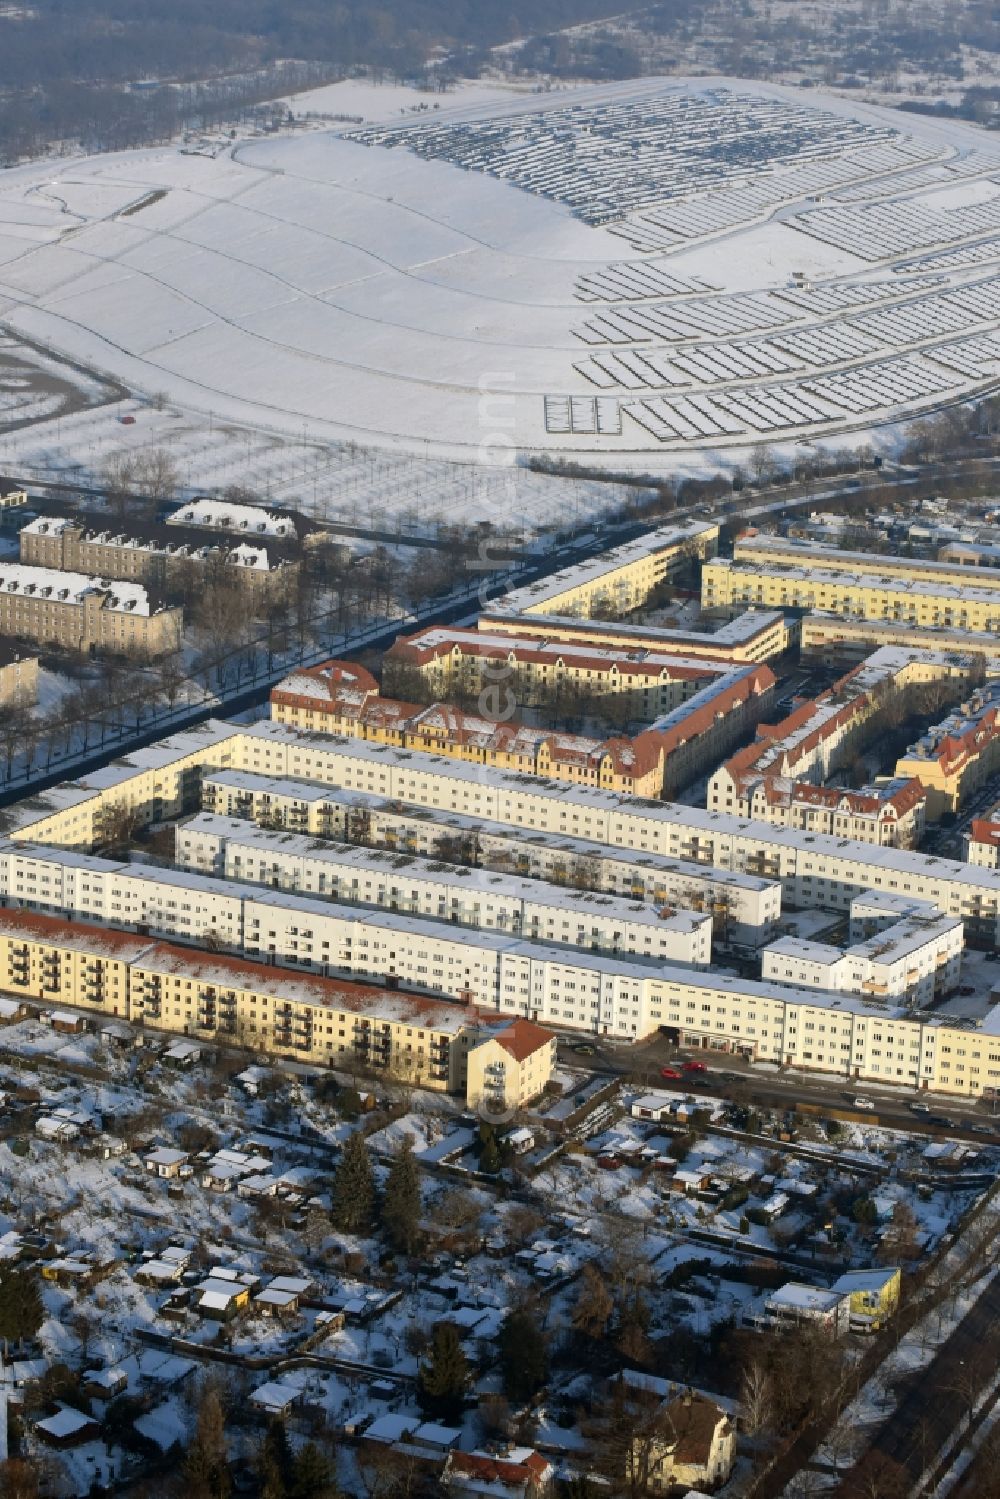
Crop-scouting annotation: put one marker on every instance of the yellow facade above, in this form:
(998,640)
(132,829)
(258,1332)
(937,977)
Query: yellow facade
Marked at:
(500,1079)
(53,962)
(874,1296)
(776,551)
(619,580)
(729,587)
(529,672)
(163,784)
(841,640)
(530,752)
(299,1016)
(441,1045)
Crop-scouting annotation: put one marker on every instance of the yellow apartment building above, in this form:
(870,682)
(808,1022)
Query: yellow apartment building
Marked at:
(511,1068)
(448,659)
(785,551)
(615,582)
(732,586)
(428,1042)
(835,640)
(337,698)
(757,635)
(62,962)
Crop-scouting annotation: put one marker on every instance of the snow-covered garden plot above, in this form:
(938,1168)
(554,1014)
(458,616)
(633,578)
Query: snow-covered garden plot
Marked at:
(625,282)
(659,227)
(608,159)
(715,318)
(301,305)
(34,387)
(334,482)
(972,357)
(889,230)
(834,297)
(966,258)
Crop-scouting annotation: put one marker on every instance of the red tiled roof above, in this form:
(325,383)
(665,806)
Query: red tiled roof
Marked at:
(146,952)
(984,830)
(695,1420)
(523,1037)
(499,1469)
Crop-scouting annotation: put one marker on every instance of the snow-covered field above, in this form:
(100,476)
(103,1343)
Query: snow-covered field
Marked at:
(752,267)
(336,481)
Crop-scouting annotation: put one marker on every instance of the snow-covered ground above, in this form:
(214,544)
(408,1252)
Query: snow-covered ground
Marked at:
(329,481)
(320,289)
(370,101)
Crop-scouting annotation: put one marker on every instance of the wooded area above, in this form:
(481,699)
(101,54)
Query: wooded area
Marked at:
(66,65)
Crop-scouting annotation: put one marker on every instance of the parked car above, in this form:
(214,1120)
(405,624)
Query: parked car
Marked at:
(670,1072)
(916,1107)
(982,1129)
(966,989)
(695,1067)
(863,1103)
(584,1048)
(942,1120)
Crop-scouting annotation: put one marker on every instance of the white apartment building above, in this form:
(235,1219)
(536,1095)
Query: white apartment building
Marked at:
(621,996)
(479,898)
(911,962)
(815,870)
(745,907)
(874,910)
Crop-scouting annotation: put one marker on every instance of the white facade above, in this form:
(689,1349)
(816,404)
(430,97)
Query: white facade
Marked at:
(815,870)
(912,961)
(744,906)
(465,897)
(561,987)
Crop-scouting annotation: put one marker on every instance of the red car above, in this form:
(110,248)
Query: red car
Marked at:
(695,1067)
(670,1072)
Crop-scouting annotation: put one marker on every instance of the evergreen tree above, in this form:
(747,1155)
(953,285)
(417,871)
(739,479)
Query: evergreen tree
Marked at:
(401,1204)
(206,1466)
(444,1374)
(489,1156)
(21,1310)
(524,1356)
(275,1463)
(313,1476)
(354,1188)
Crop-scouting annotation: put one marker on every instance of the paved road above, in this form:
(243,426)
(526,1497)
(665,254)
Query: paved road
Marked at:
(735,1079)
(934,1409)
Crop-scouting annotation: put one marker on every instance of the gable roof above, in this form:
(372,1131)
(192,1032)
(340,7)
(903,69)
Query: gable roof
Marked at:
(523,1037)
(695,1420)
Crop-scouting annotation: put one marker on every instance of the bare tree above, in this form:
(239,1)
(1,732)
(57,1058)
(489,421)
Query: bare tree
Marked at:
(757,1399)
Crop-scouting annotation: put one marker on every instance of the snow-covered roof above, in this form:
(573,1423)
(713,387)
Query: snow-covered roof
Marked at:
(664,814)
(306,791)
(72,588)
(270,1297)
(237,836)
(163,1156)
(795,1296)
(276,1397)
(534,596)
(65,1423)
(220,515)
